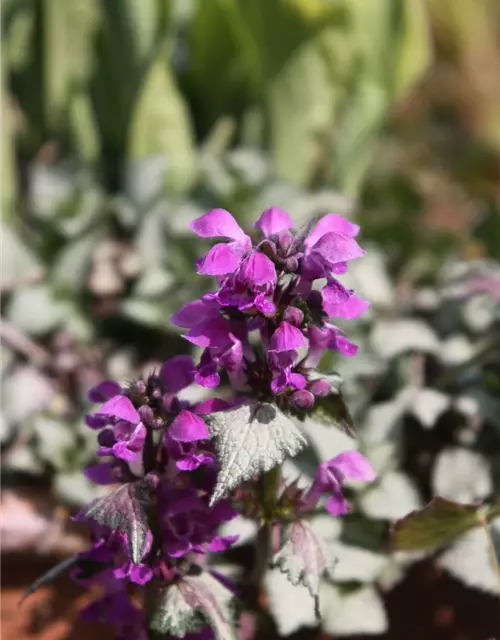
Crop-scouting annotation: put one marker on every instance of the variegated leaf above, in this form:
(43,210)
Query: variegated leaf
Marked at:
(251,439)
(303,558)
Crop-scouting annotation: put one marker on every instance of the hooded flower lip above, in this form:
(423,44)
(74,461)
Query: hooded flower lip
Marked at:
(287,338)
(104,390)
(120,408)
(274,220)
(177,373)
(330,478)
(331,223)
(188,427)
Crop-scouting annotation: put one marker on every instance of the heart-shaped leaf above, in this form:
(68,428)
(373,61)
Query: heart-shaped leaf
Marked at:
(436,525)
(194,601)
(251,439)
(125,510)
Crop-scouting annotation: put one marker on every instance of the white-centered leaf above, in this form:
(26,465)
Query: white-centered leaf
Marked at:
(358,612)
(174,616)
(291,606)
(355,563)
(391,338)
(392,497)
(251,439)
(461,475)
(429,404)
(469,559)
(303,557)
(213,600)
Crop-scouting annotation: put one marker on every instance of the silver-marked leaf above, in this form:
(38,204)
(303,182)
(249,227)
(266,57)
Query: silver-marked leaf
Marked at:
(213,600)
(173,616)
(303,558)
(125,510)
(251,439)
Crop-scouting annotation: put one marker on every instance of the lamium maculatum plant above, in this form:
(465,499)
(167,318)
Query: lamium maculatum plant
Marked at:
(184,468)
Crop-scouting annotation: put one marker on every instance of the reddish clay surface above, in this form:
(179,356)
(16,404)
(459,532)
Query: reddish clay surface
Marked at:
(428,605)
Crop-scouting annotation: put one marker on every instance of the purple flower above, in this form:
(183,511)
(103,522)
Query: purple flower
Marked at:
(222,258)
(331,476)
(287,338)
(188,524)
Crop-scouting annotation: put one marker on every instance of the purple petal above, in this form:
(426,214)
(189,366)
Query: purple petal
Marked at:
(351,308)
(211,406)
(354,466)
(140,574)
(220,260)
(209,333)
(331,223)
(334,293)
(120,407)
(195,312)
(177,373)
(297,381)
(257,270)
(192,462)
(334,248)
(122,452)
(286,338)
(267,307)
(222,543)
(103,391)
(207,377)
(100,473)
(96,421)
(273,221)
(218,223)
(346,347)
(336,505)
(188,427)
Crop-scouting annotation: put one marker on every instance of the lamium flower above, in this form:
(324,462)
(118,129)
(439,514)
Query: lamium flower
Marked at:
(178,470)
(331,476)
(269,288)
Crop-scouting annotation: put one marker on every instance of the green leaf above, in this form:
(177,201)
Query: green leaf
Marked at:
(332,410)
(160,124)
(436,525)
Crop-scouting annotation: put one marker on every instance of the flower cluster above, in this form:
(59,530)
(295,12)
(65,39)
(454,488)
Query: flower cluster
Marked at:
(268,323)
(263,332)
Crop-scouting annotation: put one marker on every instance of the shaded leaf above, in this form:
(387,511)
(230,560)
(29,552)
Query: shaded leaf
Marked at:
(437,524)
(125,510)
(333,411)
(174,616)
(290,606)
(195,600)
(469,560)
(251,439)
(51,575)
(303,558)
(360,611)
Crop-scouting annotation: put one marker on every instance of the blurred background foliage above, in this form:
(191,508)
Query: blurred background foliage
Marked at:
(122,120)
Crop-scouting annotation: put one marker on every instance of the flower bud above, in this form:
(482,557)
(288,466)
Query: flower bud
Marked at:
(294,316)
(146,414)
(302,400)
(320,388)
(138,388)
(268,248)
(285,242)
(291,264)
